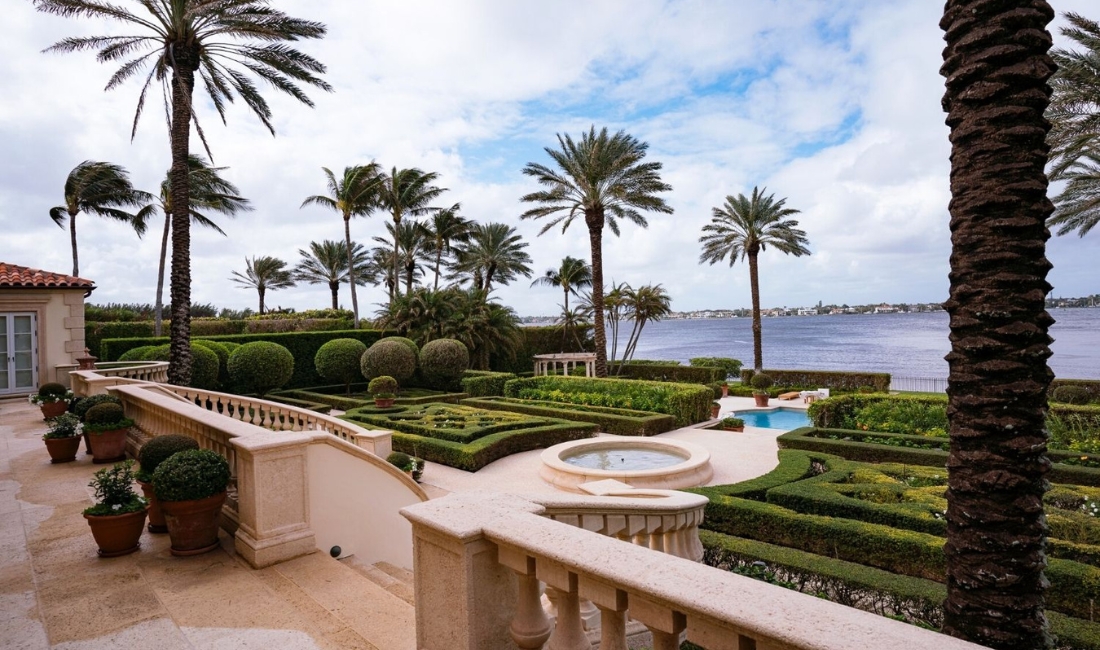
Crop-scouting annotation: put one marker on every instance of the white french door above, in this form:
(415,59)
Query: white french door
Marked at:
(18,353)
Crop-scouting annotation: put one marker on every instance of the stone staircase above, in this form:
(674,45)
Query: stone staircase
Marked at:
(393,579)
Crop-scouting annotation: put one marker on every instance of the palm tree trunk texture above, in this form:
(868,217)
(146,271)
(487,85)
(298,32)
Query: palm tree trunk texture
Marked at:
(260,290)
(184,63)
(595,239)
(334,288)
(351,274)
(996,67)
(72,239)
(395,288)
(158,315)
(757,337)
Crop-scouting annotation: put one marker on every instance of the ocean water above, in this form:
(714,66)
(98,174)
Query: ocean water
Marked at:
(905,345)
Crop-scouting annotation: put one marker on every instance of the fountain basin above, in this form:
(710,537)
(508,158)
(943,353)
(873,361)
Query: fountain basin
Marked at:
(638,462)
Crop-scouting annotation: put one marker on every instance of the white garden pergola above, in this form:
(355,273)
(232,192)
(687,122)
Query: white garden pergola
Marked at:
(546,364)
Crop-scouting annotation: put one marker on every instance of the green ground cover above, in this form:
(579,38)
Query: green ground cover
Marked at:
(817,516)
(687,403)
(623,422)
(468,438)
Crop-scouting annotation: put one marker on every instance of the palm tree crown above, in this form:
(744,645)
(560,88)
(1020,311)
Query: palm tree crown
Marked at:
(744,227)
(98,188)
(220,42)
(407,192)
(263,273)
(446,228)
(603,178)
(572,275)
(353,194)
(412,243)
(494,253)
(327,263)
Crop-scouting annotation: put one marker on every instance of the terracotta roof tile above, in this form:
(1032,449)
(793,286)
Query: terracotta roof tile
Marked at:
(12,276)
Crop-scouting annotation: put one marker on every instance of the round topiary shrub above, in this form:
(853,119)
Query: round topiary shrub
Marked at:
(401,461)
(229,346)
(1071,395)
(339,361)
(405,341)
(222,353)
(191,475)
(157,353)
(105,413)
(136,354)
(382,386)
(52,390)
(390,358)
(160,449)
(443,361)
(761,382)
(261,367)
(204,363)
(84,405)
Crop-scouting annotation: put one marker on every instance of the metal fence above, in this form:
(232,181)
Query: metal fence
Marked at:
(919,384)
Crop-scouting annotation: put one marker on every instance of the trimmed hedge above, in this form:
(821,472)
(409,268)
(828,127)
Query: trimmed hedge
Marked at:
(688,403)
(623,422)
(442,363)
(669,372)
(261,367)
(1092,386)
(485,383)
(732,367)
(303,345)
(388,359)
(205,365)
(880,381)
(540,340)
(338,360)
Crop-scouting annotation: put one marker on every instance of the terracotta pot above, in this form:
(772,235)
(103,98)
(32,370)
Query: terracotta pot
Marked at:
(117,534)
(156,515)
(735,429)
(108,446)
(87,444)
(725,391)
(63,450)
(53,409)
(193,525)
(714,411)
(761,400)
(383,402)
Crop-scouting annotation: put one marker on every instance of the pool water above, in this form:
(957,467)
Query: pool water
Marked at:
(780,418)
(624,459)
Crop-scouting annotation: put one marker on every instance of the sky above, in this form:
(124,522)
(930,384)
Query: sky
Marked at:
(833,105)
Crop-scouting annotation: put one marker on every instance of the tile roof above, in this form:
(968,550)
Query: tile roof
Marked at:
(22,277)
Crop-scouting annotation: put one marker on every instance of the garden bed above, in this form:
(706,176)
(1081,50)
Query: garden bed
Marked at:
(623,422)
(687,403)
(336,397)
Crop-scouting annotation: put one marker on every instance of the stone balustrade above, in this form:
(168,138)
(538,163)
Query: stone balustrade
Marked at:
(480,559)
(155,371)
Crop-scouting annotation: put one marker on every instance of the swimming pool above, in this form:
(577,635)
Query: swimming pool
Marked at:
(777,418)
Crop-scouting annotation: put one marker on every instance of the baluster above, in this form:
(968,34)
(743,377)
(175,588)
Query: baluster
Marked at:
(612,605)
(530,627)
(665,624)
(568,630)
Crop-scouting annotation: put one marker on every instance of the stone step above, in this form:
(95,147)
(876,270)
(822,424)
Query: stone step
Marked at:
(393,579)
(383,619)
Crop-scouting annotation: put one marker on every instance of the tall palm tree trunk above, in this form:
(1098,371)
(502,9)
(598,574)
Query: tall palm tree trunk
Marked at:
(395,288)
(158,311)
(261,291)
(438,262)
(184,63)
(595,240)
(351,275)
(996,65)
(334,287)
(72,240)
(757,330)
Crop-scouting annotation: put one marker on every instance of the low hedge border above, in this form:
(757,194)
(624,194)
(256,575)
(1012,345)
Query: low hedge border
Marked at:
(880,381)
(623,422)
(793,466)
(881,592)
(479,453)
(415,422)
(485,383)
(810,439)
(668,372)
(892,549)
(688,403)
(1092,386)
(339,401)
(301,403)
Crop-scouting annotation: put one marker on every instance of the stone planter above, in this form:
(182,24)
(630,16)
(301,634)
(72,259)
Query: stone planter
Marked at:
(193,525)
(52,409)
(156,515)
(761,400)
(63,450)
(383,402)
(108,446)
(117,534)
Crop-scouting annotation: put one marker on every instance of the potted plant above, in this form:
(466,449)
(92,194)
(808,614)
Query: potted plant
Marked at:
(731,423)
(52,398)
(725,389)
(411,465)
(760,385)
(106,427)
(151,455)
(118,516)
(63,438)
(384,391)
(191,486)
(715,407)
(80,407)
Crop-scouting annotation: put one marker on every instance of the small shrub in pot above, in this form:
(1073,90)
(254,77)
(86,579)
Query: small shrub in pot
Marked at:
(118,516)
(190,486)
(383,389)
(86,403)
(52,398)
(106,427)
(761,383)
(63,438)
(151,455)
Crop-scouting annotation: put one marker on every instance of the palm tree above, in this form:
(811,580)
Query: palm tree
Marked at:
(1074,110)
(379,267)
(446,228)
(406,192)
(263,273)
(494,252)
(1078,205)
(412,243)
(327,263)
(353,194)
(208,192)
(996,66)
(644,304)
(602,178)
(744,228)
(98,188)
(178,41)
(573,274)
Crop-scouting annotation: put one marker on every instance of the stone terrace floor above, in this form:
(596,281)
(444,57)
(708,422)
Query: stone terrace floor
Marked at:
(55,592)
